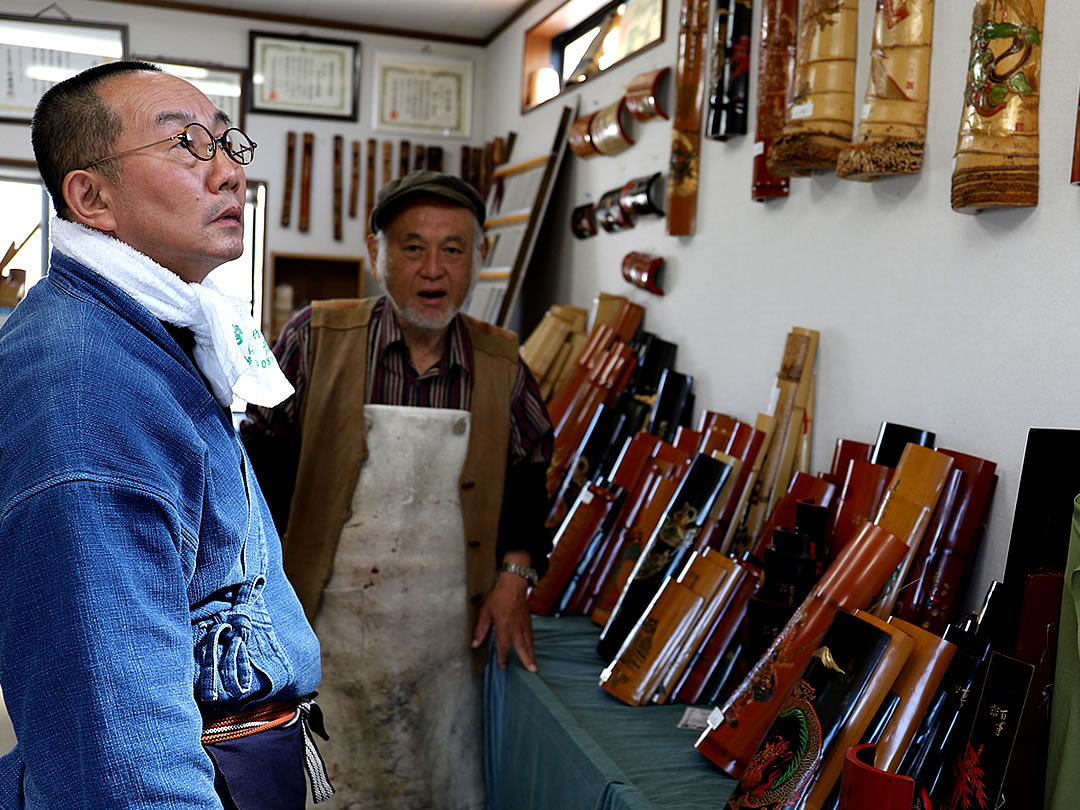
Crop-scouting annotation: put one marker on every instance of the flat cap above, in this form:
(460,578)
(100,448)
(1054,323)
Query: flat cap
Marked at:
(425,182)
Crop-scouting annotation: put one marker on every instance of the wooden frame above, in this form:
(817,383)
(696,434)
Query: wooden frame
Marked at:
(313,277)
(225,86)
(513,225)
(304,76)
(72,47)
(537,52)
(423,94)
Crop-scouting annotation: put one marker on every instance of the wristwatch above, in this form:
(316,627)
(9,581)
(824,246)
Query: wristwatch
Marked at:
(521,570)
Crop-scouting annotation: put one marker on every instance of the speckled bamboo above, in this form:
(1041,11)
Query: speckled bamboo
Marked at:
(818,120)
(997,151)
(892,129)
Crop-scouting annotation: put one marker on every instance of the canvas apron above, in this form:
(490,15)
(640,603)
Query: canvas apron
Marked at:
(397,685)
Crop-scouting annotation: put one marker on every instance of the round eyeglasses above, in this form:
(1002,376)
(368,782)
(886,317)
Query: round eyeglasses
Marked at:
(202,144)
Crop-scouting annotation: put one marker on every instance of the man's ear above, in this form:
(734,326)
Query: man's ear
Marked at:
(373,255)
(89,195)
(485,244)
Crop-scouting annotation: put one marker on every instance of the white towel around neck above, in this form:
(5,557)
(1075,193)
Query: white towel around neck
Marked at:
(230,350)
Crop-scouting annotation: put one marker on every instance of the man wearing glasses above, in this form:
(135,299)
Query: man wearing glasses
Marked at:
(151,650)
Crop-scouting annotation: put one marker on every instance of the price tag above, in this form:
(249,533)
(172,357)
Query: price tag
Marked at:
(759,148)
(804,110)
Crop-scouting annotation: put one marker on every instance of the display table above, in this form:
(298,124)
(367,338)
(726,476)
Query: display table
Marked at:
(557,740)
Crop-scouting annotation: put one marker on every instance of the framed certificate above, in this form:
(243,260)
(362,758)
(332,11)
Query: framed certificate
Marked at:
(422,94)
(37,52)
(225,86)
(318,78)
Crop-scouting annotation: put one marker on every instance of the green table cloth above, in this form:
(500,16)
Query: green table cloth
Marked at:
(557,740)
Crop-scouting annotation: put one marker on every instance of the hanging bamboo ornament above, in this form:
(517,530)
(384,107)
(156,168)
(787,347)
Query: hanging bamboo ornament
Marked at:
(892,131)
(776,62)
(686,128)
(290,164)
(818,120)
(997,151)
(339,159)
(305,182)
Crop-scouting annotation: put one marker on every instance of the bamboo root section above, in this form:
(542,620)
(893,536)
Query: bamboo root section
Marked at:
(818,121)
(997,151)
(892,130)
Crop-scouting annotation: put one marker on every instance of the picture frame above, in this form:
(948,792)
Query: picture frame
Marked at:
(38,52)
(422,94)
(303,76)
(225,86)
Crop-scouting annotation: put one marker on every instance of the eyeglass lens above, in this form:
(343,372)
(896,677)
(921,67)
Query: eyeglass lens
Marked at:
(202,144)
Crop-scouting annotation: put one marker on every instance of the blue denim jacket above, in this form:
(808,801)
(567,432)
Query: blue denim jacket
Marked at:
(141,572)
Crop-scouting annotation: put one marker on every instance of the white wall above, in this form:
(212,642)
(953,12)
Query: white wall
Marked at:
(211,38)
(963,325)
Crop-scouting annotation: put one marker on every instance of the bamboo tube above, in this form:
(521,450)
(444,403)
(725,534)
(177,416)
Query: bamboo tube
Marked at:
(776,63)
(686,128)
(892,131)
(997,150)
(818,120)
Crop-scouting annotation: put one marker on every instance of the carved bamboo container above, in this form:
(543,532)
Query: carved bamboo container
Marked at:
(997,151)
(892,129)
(818,120)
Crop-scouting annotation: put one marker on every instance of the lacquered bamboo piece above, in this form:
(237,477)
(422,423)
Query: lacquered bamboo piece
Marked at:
(870,698)
(339,201)
(766,425)
(803,487)
(776,64)
(915,687)
(666,548)
(812,715)
(997,149)
(892,130)
(906,510)
(609,129)
(686,127)
(696,636)
(729,615)
(859,499)
(849,583)
(819,115)
(306,163)
(587,513)
(865,786)
(369,181)
(664,460)
(949,567)
(730,75)
(290,173)
(596,346)
(354,181)
(660,632)
(643,270)
(643,95)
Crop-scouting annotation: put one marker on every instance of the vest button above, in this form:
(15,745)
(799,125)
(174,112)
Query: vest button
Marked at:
(468,484)
(369,423)
(460,425)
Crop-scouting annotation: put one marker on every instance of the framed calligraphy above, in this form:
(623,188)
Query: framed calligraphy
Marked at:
(36,53)
(316,78)
(423,94)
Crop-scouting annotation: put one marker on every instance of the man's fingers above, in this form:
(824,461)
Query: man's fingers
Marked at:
(483,624)
(523,646)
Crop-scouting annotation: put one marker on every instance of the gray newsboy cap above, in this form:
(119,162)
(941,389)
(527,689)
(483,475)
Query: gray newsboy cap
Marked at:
(425,182)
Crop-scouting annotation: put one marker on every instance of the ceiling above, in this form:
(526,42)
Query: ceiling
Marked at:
(473,21)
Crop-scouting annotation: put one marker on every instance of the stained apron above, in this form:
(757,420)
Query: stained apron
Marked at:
(402,706)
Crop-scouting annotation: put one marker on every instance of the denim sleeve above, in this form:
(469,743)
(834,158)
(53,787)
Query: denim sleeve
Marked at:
(95,649)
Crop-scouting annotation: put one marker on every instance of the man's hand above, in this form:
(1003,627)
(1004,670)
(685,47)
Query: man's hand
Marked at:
(505,609)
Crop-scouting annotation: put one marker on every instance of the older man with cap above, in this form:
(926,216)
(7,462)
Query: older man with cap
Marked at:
(408,472)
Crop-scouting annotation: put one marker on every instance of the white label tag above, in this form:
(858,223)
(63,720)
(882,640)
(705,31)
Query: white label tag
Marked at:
(759,148)
(865,111)
(586,496)
(715,718)
(694,717)
(804,110)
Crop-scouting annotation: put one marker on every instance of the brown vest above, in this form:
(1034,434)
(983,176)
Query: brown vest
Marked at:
(334,448)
